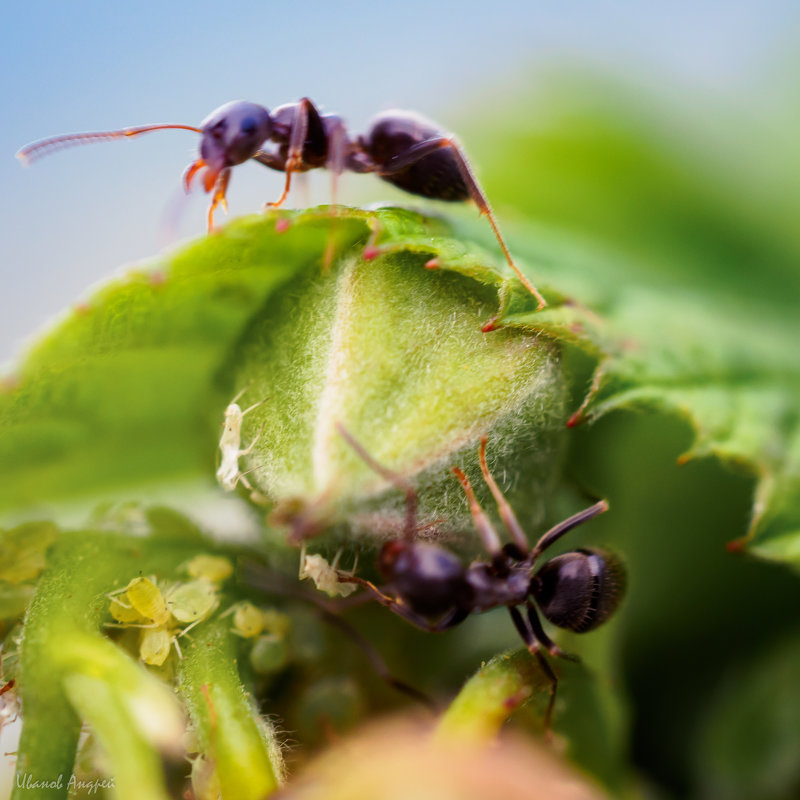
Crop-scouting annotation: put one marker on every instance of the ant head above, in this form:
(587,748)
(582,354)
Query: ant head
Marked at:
(233,133)
(428,578)
(579,590)
(388,555)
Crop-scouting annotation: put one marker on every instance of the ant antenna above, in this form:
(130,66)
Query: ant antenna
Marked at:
(398,480)
(33,152)
(568,524)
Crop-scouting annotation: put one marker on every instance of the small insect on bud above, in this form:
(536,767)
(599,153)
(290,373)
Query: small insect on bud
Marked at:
(215,569)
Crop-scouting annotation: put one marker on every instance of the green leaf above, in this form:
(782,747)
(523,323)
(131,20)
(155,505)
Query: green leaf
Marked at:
(129,390)
(686,296)
(396,354)
(61,638)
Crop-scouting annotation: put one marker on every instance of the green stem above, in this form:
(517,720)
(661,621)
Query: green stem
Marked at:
(490,696)
(230,732)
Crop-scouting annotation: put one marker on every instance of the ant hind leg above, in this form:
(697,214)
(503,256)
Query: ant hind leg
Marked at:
(532,644)
(419,151)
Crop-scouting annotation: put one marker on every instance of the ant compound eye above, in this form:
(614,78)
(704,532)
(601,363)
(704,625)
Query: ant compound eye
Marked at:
(579,590)
(233,133)
(249,126)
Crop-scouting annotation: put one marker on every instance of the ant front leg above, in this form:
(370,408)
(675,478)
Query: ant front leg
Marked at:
(218,198)
(294,155)
(419,151)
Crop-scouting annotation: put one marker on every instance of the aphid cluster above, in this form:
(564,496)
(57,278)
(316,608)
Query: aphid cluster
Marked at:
(163,616)
(165,612)
(401,147)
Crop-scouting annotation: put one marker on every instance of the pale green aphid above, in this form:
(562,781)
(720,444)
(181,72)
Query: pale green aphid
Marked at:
(142,604)
(155,644)
(124,612)
(276,623)
(213,568)
(192,602)
(270,654)
(23,550)
(146,598)
(248,621)
(205,780)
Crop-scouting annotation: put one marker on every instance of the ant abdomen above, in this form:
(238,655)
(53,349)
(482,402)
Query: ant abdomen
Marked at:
(392,135)
(579,590)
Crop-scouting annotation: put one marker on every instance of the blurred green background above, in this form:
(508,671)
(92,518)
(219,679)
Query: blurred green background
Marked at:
(664,140)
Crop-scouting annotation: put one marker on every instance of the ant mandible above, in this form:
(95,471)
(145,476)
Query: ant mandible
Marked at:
(401,147)
(429,587)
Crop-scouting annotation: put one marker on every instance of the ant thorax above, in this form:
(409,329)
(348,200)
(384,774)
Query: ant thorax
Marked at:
(492,589)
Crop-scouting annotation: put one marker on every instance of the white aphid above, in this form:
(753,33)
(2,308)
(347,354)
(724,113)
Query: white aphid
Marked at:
(325,575)
(229,474)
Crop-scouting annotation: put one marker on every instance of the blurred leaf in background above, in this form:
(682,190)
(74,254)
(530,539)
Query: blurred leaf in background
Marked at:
(674,247)
(679,219)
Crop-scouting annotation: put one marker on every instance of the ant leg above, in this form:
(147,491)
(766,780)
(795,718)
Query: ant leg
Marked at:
(533,647)
(371,249)
(557,531)
(286,186)
(398,480)
(261,578)
(337,151)
(449,620)
(422,149)
(506,513)
(190,172)
(337,145)
(375,659)
(218,198)
(546,641)
(489,537)
(294,158)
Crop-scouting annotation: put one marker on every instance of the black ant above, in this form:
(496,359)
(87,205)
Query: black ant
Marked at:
(429,587)
(401,147)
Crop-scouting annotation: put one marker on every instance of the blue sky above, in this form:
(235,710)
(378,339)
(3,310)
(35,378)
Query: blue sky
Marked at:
(80,215)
